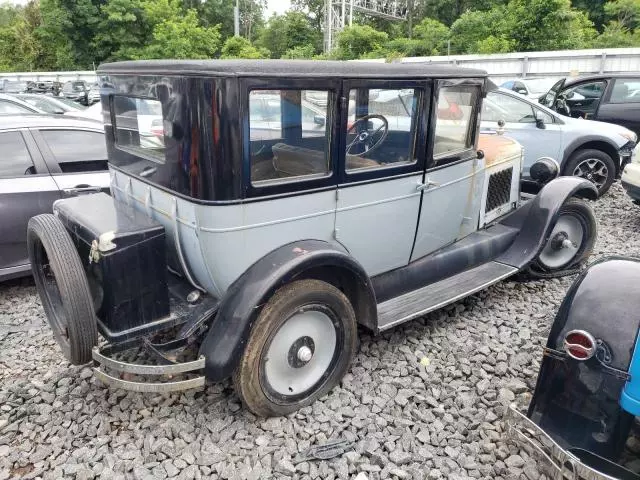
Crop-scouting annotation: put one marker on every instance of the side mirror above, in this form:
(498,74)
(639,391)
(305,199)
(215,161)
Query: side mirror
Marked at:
(58,111)
(521,91)
(320,120)
(540,123)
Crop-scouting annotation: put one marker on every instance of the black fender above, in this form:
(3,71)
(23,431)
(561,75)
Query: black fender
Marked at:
(578,402)
(225,342)
(535,219)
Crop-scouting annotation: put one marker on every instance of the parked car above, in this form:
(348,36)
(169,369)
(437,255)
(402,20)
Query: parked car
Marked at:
(596,151)
(612,98)
(48,104)
(11,105)
(587,395)
(532,88)
(46,87)
(76,90)
(258,255)
(93,95)
(631,177)
(44,158)
(13,86)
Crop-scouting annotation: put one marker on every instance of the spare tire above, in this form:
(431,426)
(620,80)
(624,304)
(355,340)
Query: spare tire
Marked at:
(63,287)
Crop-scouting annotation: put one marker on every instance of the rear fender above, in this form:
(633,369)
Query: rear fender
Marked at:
(241,305)
(536,218)
(578,402)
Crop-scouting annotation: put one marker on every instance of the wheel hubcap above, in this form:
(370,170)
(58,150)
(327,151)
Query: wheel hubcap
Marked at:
(300,352)
(563,244)
(593,170)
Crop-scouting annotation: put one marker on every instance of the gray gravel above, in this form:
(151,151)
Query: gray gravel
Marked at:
(408,420)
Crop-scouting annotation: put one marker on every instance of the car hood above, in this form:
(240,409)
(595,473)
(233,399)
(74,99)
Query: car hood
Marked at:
(617,133)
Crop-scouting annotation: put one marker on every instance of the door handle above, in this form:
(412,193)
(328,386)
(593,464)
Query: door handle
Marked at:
(81,189)
(425,186)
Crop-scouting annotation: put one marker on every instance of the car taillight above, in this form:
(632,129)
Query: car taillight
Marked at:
(579,345)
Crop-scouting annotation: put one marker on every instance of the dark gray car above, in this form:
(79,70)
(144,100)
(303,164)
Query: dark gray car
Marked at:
(44,158)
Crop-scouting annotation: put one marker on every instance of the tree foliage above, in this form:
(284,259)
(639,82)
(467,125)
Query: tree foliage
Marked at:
(80,34)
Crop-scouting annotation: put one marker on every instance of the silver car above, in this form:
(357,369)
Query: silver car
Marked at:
(593,150)
(44,158)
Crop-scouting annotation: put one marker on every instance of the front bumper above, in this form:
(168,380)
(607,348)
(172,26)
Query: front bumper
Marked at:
(555,461)
(631,180)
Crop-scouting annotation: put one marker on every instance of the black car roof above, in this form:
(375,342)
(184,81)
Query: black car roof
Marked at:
(599,76)
(52,120)
(288,68)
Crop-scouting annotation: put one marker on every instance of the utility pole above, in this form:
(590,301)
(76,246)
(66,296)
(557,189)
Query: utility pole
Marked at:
(236,19)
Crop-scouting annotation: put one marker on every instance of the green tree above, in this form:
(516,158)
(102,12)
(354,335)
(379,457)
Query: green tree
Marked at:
(217,12)
(240,47)
(284,32)
(475,26)
(616,35)
(357,40)
(300,52)
(625,12)
(313,9)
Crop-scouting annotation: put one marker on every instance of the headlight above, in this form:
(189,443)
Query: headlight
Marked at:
(629,135)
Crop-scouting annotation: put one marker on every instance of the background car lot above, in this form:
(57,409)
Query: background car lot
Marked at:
(442,420)
(44,158)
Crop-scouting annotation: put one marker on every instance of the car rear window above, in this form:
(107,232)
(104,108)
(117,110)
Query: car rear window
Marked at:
(139,127)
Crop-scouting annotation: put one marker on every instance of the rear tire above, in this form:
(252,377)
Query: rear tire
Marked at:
(63,287)
(571,241)
(593,165)
(299,348)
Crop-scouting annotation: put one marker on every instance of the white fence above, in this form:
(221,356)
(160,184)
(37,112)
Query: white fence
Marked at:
(87,75)
(560,63)
(501,66)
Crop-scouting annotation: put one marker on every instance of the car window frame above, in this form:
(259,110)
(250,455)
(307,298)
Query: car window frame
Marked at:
(41,167)
(425,90)
(27,108)
(606,92)
(47,154)
(297,185)
(612,85)
(462,155)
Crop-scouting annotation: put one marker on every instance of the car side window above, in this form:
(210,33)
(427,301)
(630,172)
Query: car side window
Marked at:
(381,127)
(15,160)
(510,109)
(625,90)
(288,136)
(77,150)
(455,115)
(7,107)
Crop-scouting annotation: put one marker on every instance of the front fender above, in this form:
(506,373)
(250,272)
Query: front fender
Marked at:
(239,309)
(535,219)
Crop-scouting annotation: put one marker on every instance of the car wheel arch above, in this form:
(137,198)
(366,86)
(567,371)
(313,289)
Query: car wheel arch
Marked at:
(595,144)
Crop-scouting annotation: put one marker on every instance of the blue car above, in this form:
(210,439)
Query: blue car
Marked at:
(588,391)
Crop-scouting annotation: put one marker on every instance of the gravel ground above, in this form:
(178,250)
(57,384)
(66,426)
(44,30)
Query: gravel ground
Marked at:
(407,419)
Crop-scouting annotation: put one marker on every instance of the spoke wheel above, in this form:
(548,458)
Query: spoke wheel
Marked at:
(299,348)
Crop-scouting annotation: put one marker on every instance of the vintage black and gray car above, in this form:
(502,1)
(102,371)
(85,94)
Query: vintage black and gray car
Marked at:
(587,395)
(262,210)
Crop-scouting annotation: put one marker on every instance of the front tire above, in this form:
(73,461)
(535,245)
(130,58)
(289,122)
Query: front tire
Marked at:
(63,288)
(572,238)
(299,349)
(593,165)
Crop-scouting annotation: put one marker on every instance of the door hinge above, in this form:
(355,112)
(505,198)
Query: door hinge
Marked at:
(335,233)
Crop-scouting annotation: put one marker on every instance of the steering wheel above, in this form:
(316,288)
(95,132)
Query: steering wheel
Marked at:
(365,136)
(562,106)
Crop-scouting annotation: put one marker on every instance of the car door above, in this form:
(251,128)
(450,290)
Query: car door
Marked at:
(452,185)
(536,130)
(621,104)
(583,99)
(381,166)
(26,189)
(76,158)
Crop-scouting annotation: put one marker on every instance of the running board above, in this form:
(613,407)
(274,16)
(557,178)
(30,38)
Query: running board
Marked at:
(436,295)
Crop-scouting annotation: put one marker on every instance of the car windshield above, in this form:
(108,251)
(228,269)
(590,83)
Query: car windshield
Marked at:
(70,103)
(77,86)
(539,86)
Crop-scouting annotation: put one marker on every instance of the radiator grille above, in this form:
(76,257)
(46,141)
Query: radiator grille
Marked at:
(499,189)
